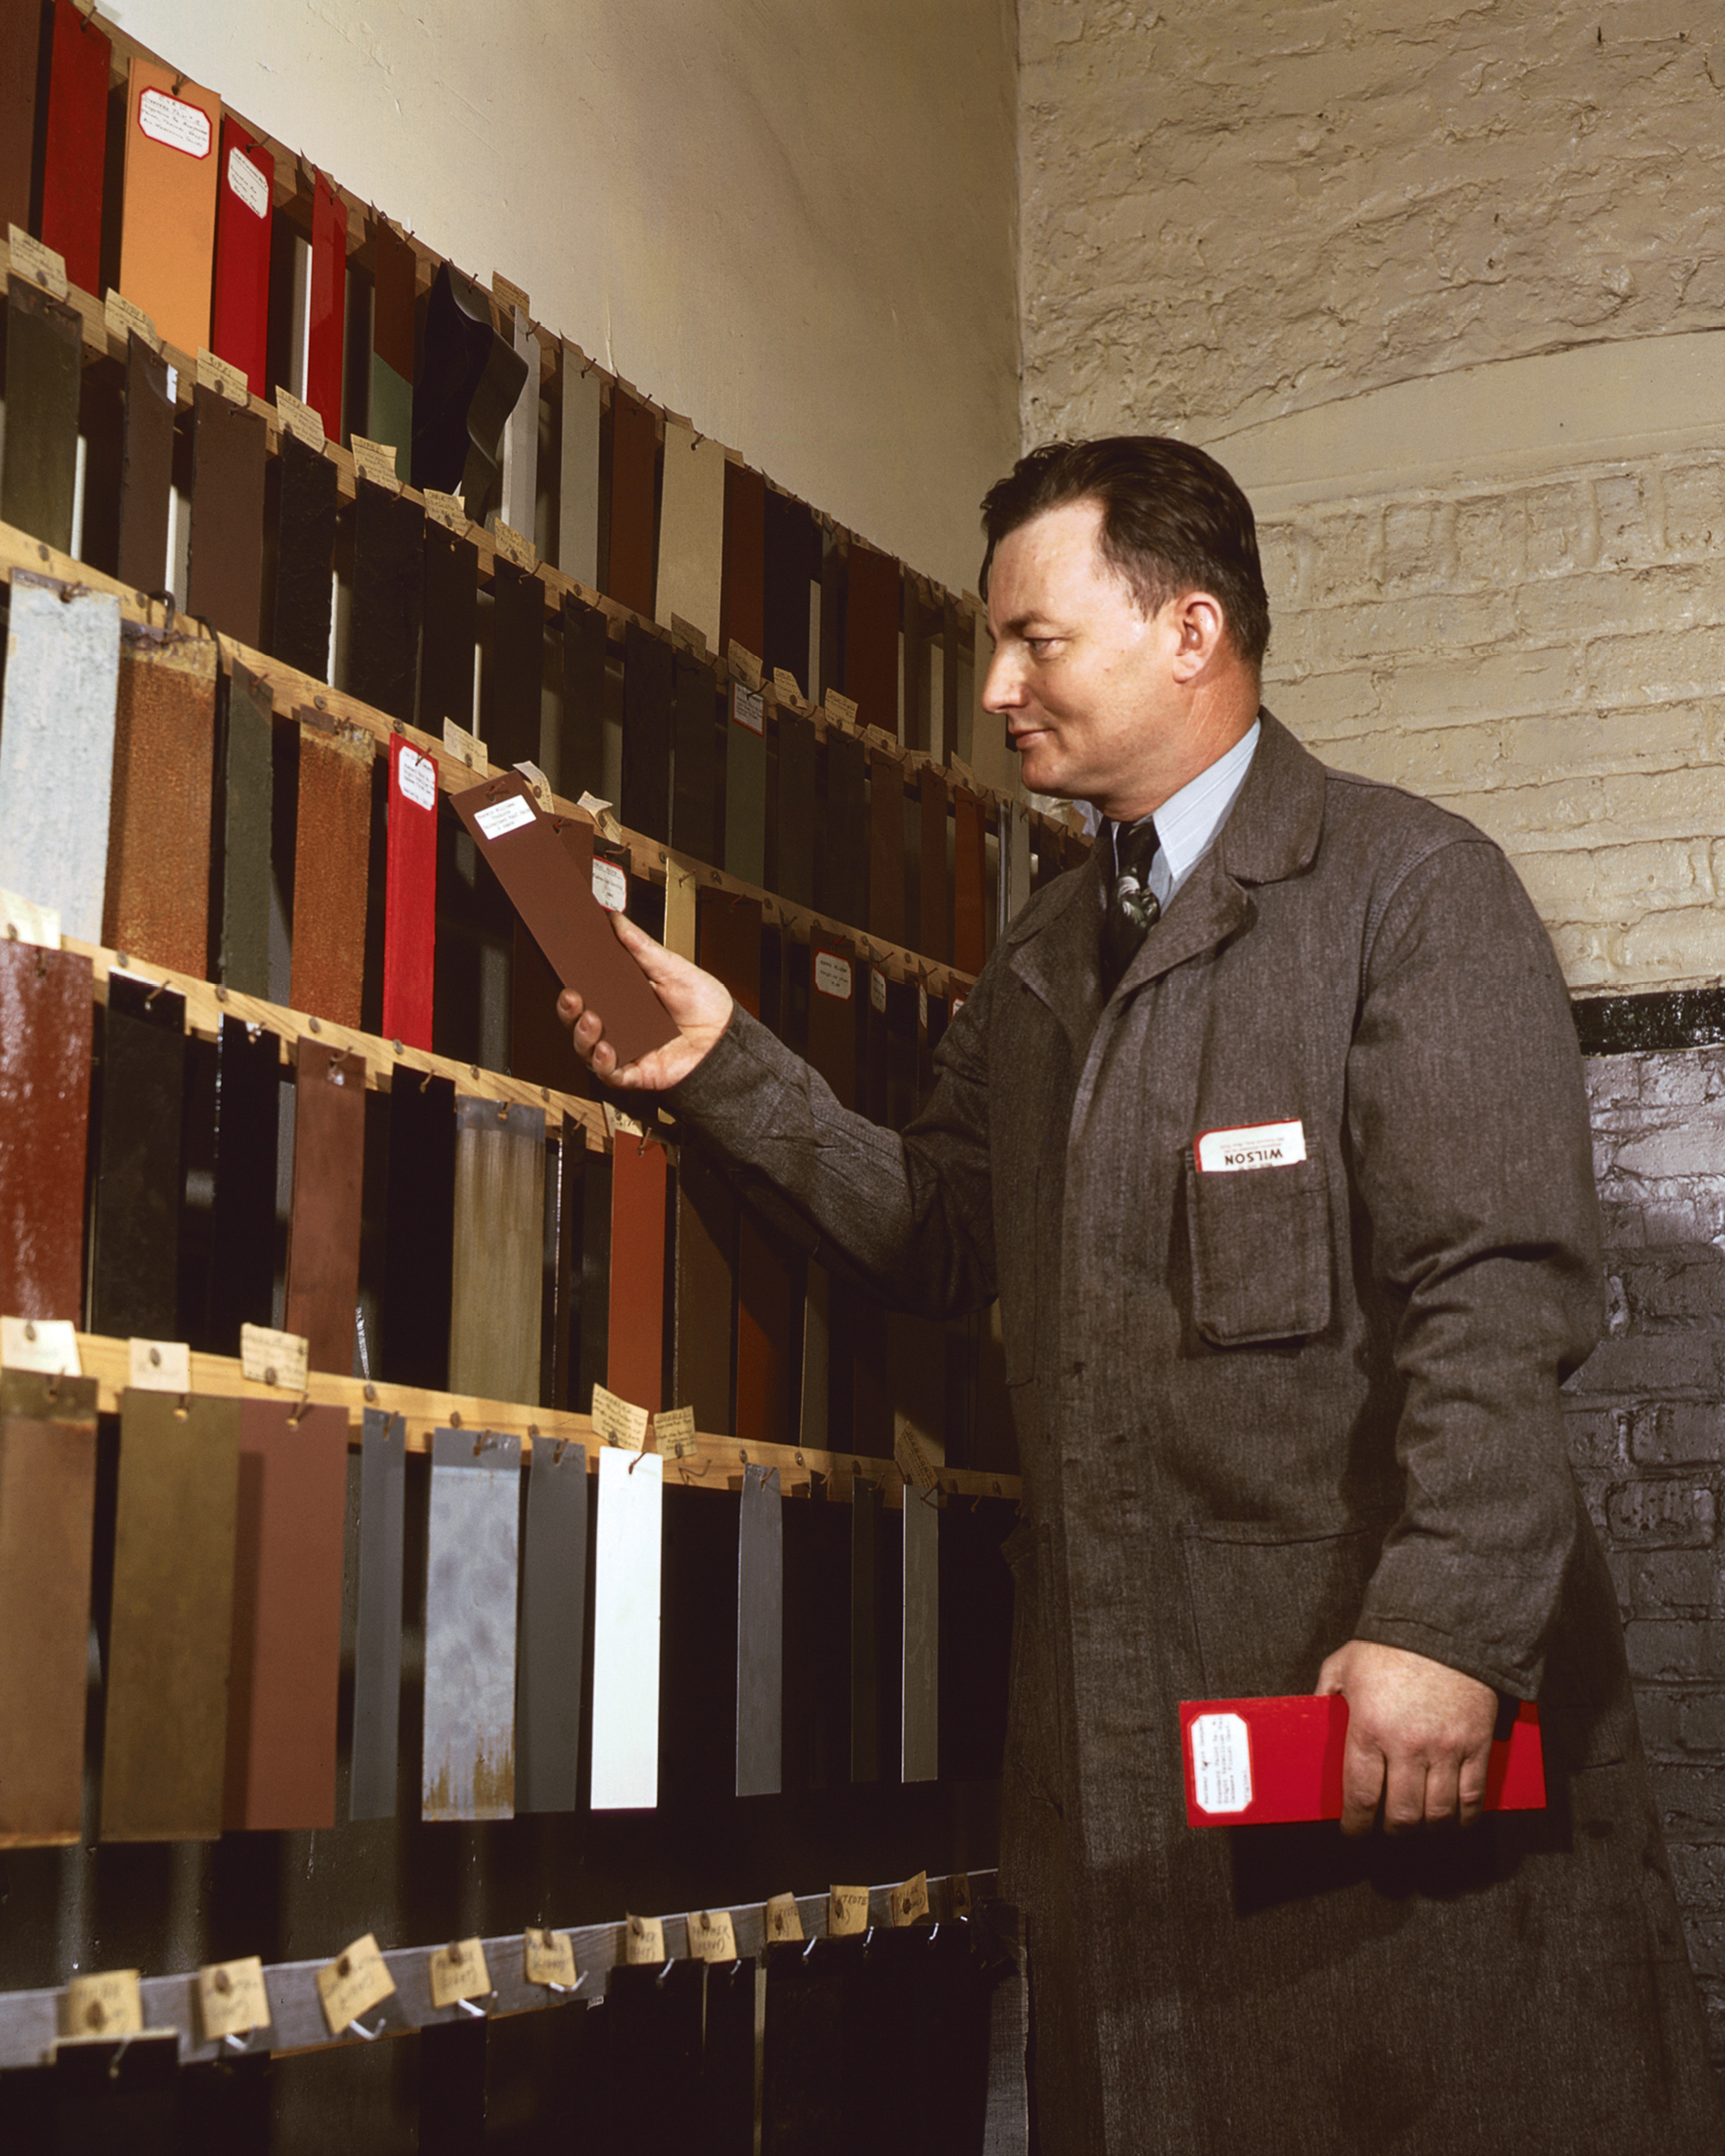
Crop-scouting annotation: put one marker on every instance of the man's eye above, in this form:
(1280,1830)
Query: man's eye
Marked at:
(1039,647)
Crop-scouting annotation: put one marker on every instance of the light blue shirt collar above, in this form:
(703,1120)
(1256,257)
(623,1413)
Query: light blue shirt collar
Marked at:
(1188,822)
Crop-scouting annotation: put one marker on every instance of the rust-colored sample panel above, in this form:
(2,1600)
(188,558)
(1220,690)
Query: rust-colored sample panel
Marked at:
(331,854)
(324,1232)
(47,1005)
(158,899)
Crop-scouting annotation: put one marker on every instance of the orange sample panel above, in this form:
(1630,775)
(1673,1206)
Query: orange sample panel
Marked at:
(167,228)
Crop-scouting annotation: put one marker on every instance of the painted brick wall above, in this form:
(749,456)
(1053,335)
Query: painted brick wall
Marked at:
(1547,657)
(1646,1430)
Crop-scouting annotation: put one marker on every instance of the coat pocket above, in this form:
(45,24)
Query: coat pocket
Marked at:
(1268,1604)
(1260,1248)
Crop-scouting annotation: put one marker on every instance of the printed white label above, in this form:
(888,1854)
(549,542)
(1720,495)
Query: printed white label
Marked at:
(248,183)
(958,1005)
(1221,1763)
(611,885)
(1257,1146)
(503,816)
(39,1343)
(877,988)
(749,708)
(158,1366)
(832,974)
(174,122)
(418,778)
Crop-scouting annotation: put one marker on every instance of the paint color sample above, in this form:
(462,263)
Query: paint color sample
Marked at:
(330,857)
(239,328)
(578,505)
(547,1716)
(468,1766)
(44,374)
(326,321)
(634,457)
(637,1270)
(377,1639)
(323,1231)
(691,530)
(168,232)
(495,1293)
(47,1005)
(411,893)
(626,1587)
(157,907)
(76,145)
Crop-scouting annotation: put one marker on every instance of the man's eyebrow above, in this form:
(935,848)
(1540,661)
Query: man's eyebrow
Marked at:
(1021,624)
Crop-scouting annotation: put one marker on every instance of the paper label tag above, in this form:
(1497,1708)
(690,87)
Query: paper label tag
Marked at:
(445,509)
(922,1005)
(877,988)
(231,1998)
(549,1958)
(299,419)
(50,1344)
(959,1886)
(513,546)
(749,708)
(958,1005)
(108,2004)
(122,319)
(847,1911)
(686,632)
(713,1936)
(601,812)
(225,378)
(674,1431)
(783,1919)
(376,460)
(1256,1146)
(843,708)
(459,1972)
(832,974)
(268,1357)
(910,1900)
(175,123)
(507,294)
(503,817)
(353,1983)
(616,1120)
(745,663)
(22,923)
(643,1940)
(878,737)
(39,263)
(417,778)
(468,746)
(611,885)
(787,683)
(158,1366)
(535,778)
(618,1421)
(245,180)
(1221,1763)
(914,1463)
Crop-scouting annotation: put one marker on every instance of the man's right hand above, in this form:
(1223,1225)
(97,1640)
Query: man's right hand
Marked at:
(700,1006)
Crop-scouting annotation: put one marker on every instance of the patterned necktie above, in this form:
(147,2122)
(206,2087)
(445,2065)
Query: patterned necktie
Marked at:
(1134,907)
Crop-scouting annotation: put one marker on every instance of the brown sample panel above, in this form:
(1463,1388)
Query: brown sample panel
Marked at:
(383,643)
(165,1750)
(934,913)
(635,1350)
(331,851)
(886,849)
(47,1005)
(495,1303)
(706,1268)
(47,1506)
(248,800)
(968,949)
(146,469)
(44,370)
(286,1654)
(225,566)
(323,1234)
(769,1308)
(871,638)
(634,457)
(168,238)
(306,512)
(742,584)
(22,22)
(157,900)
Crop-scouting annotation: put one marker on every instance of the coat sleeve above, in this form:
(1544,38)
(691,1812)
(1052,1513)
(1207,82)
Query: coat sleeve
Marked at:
(909,1211)
(1472,1165)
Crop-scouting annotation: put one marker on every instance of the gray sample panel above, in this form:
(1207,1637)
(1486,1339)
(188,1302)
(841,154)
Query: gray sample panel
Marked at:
(553,1618)
(471,1567)
(760,1634)
(377,1644)
(921,1755)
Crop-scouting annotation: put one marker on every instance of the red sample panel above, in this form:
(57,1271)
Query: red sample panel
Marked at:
(77,145)
(411,895)
(1261,1762)
(634,458)
(240,326)
(326,329)
(636,1345)
(285,1676)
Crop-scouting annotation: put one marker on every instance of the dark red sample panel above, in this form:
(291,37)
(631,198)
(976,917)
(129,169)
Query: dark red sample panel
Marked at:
(411,894)
(871,638)
(21,31)
(239,328)
(634,457)
(76,148)
(636,1351)
(47,998)
(326,329)
(323,1231)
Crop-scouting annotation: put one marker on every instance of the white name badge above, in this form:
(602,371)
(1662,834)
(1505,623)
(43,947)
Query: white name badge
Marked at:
(1256,1146)
(1221,1763)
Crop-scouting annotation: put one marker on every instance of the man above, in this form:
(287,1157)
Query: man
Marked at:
(1281,1427)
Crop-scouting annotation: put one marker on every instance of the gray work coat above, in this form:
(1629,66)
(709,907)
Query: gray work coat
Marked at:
(1259,1412)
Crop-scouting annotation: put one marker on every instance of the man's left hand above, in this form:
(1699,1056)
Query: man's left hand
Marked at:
(1419,1737)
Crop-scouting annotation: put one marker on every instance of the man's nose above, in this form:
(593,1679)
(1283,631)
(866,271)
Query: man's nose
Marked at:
(1003,688)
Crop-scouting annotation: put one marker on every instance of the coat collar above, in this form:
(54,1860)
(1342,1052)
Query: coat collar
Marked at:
(1272,831)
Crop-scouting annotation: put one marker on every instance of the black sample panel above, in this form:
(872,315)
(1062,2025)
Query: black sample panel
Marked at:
(134,1258)
(419,1232)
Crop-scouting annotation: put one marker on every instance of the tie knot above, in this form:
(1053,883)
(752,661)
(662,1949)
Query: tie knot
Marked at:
(1135,846)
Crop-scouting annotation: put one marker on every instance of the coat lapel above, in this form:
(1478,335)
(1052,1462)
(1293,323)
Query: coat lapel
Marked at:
(1055,951)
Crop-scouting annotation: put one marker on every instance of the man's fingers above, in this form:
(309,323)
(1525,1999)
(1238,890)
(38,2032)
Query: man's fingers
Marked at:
(1471,1786)
(1362,1785)
(1441,1800)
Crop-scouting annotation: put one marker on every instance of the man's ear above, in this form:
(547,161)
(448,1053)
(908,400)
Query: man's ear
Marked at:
(1202,632)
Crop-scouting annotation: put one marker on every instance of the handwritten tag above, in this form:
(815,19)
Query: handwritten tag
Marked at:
(611,886)
(685,632)
(549,1957)
(299,419)
(910,1900)
(459,1972)
(507,294)
(468,746)
(176,122)
(245,180)
(748,708)
(877,988)
(231,1998)
(225,378)
(713,1936)
(446,510)
(513,546)
(643,1940)
(601,812)
(39,263)
(618,1421)
(783,1919)
(376,460)
(914,1463)
(22,923)
(541,785)
(847,1911)
(50,1344)
(878,737)
(158,1366)
(268,1357)
(787,683)
(353,1984)
(108,2004)
(417,778)
(616,1120)
(832,975)
(745,663)
(674,1431)
(123,319)
(843,708)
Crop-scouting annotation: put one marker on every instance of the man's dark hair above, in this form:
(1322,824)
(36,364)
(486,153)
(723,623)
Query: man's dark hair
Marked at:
(1173,521)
